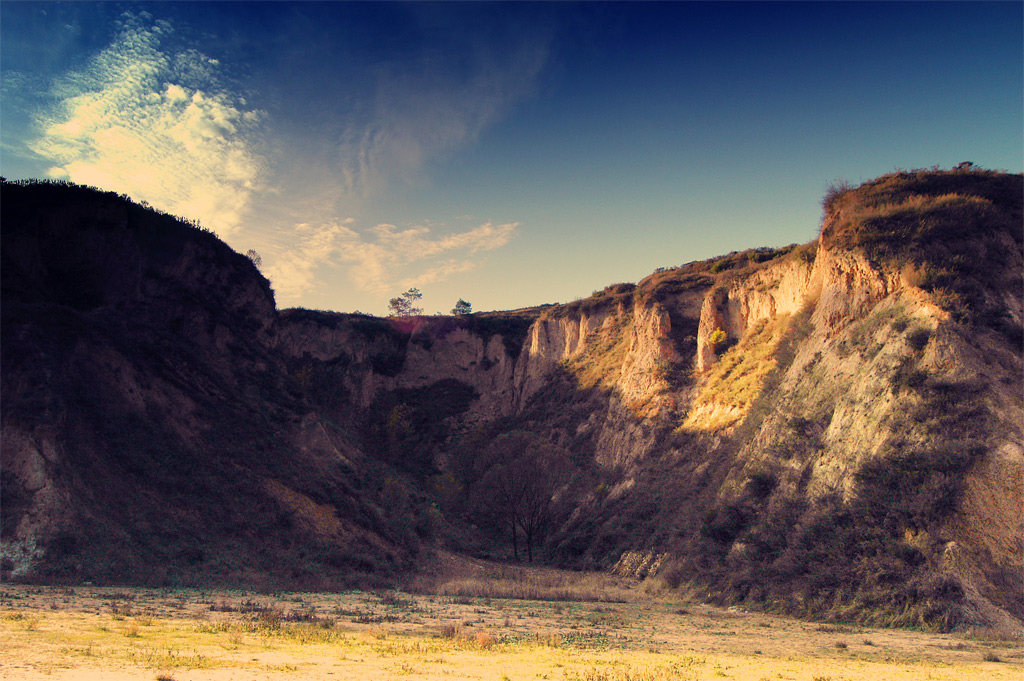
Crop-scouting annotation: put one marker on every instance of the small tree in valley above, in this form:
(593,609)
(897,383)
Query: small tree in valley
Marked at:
(517,491)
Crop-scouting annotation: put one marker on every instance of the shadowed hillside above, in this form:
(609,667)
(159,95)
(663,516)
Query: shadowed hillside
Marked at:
(831,430)
(149,432)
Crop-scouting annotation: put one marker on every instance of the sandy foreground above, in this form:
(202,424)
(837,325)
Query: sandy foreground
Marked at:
(116,634)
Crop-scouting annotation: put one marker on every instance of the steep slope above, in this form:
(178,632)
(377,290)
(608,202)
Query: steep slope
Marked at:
(148,431)
(852,447)
(831,430)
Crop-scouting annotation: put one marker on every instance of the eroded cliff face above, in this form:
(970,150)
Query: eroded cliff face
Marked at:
(623,352)
(808,389)
(832,429)
(811,383)
(856,390)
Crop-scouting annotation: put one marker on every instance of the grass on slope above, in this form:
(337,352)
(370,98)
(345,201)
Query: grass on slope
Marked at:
(737,379)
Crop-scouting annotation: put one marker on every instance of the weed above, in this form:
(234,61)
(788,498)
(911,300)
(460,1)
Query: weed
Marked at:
(735,382)
(222,605)
(600,365)
(834,191)
(169,659)
(990,656)
(373,618)
(931,225)
(117,596)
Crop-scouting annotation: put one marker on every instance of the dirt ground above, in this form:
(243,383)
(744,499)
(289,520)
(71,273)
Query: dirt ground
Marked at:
(193,635)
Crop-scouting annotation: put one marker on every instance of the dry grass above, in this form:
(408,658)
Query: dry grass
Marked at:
(433,637)
(737,379)
(464,578)
(600,365)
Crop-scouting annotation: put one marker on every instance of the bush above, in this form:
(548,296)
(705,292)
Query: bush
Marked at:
(761,485)
(724,525)
(906,376)
(918,338)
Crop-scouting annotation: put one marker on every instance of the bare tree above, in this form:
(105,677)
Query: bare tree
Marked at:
(517,490)
(546,468)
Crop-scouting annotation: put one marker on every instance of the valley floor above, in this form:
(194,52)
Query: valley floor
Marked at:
(115,633)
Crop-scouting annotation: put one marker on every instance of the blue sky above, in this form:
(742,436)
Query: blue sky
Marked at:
(509,154)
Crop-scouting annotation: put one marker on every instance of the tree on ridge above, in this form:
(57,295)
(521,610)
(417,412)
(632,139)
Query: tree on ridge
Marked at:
(405,305)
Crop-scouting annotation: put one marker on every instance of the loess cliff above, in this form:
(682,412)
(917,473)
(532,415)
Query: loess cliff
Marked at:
(832,430)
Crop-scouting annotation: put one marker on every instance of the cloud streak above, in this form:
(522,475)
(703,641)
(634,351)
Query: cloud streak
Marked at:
(157,127)
(427,107)
(384,260)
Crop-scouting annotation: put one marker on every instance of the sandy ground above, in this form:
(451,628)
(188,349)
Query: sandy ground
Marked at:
(190,635)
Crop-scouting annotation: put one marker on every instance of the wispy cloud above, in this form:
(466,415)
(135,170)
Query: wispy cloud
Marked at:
(386,260)
(156,126)
(427,107)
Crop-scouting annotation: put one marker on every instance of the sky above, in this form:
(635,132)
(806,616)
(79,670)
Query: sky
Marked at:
(509,154)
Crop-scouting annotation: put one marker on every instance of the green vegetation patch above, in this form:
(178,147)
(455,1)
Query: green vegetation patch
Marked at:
(614,296)
(873,559)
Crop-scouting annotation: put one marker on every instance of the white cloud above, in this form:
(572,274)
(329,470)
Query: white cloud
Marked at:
(385,260)
(156,127)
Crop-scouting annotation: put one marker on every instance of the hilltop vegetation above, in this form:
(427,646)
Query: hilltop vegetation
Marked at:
(831,429)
